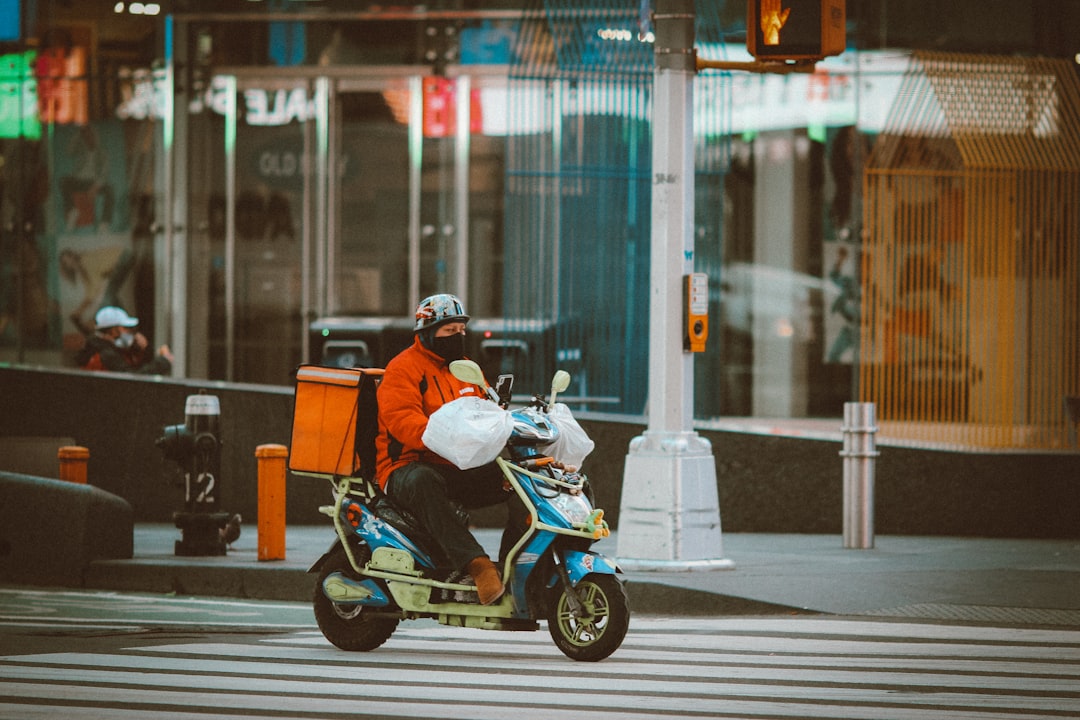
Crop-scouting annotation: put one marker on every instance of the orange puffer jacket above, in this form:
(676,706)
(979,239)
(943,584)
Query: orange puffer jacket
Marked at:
(416,383)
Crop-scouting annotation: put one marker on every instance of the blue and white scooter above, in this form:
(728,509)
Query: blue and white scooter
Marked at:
(382,569)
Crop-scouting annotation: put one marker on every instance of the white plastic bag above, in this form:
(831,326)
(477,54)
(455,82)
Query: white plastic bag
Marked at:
(469,431)
(573,444)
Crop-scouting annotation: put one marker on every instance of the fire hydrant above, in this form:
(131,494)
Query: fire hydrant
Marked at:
(196,447)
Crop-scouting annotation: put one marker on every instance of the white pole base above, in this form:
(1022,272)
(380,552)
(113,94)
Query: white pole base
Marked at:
(669,516)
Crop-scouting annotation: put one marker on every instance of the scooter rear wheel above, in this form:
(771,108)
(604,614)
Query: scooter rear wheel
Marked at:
(600,631)
(349,626)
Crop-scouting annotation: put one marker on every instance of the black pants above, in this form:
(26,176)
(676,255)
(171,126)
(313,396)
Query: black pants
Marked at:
(426,490)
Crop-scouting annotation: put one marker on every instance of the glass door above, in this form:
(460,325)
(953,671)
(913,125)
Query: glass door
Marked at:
(418,194)
(260,230)
(397,205)
(372,234)
(347,198)
(321,217)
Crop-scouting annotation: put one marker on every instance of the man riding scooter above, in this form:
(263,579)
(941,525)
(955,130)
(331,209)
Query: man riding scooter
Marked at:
(416,383)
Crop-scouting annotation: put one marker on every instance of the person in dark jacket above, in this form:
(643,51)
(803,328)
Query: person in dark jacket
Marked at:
(416,383)
(117,346)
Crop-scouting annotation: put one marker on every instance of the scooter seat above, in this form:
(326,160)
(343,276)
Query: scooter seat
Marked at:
(390,512)
(387,510)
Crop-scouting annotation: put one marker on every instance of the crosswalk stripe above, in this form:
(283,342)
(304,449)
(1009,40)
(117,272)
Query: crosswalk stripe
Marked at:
(493,703)
(777,668)
(222,675)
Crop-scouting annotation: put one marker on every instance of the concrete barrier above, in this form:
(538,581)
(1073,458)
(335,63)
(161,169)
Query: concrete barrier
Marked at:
(50,529)
(119,417)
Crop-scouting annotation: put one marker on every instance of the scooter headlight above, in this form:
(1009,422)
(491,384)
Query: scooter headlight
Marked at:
(574,508)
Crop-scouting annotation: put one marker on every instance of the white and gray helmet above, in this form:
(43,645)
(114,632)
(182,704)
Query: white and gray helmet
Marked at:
(439,309)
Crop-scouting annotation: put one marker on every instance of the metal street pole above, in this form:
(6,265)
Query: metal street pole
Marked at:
(669,516)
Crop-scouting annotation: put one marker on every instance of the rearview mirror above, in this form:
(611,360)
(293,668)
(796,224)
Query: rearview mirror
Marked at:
(560,382)
(468,371)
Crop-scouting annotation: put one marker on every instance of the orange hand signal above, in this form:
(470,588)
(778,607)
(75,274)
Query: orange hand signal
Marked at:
(772,19)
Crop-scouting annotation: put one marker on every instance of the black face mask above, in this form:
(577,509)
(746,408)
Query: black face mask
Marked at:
(449,347)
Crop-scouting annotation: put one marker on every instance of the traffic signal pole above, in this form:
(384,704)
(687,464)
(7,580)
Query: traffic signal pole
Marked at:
(669,515)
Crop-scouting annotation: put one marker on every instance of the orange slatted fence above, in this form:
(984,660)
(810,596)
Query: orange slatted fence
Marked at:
(970,331)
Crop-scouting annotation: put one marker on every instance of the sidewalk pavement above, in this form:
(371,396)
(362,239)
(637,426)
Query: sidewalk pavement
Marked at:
(936,578)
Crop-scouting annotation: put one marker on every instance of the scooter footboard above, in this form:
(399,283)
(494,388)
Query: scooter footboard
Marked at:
(579,564)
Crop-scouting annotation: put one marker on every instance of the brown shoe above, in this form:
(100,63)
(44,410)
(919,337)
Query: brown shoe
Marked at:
(488,585)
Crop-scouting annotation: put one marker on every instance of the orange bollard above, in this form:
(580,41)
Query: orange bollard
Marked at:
(271,460)
(73,460)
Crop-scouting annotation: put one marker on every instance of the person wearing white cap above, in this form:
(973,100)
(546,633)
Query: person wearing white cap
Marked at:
(117,346)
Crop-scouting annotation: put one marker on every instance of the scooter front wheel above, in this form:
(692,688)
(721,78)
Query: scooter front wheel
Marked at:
(600,629)
(349,626)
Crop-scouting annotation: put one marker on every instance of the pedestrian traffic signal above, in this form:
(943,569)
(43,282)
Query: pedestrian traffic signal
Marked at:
(795,29)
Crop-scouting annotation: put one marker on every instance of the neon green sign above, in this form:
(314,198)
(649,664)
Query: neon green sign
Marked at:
(18,96)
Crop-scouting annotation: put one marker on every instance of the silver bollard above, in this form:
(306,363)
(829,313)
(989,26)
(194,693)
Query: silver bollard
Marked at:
(859,454)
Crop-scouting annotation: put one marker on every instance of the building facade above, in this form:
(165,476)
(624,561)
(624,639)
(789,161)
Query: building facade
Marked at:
(268,183)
